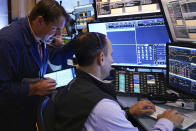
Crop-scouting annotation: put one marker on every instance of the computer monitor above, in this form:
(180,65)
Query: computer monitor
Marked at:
(182,68)
(140,82)
(140,43)
(82,14)
(119,8)
(181,18)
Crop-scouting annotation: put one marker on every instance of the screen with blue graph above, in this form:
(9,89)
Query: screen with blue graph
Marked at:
(182,69)
(136,42)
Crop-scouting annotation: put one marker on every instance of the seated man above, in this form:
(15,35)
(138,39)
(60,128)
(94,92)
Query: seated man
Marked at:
(89,104)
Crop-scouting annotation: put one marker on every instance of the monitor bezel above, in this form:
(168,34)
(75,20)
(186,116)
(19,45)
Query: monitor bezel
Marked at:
(178,44)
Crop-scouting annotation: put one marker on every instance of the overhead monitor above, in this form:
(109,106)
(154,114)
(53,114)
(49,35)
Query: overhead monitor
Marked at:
(140,43)
(181,18)
(82,14)
(118,8)
(182,69)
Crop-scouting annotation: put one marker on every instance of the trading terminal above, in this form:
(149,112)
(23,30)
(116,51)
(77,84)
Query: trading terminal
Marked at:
(154,45)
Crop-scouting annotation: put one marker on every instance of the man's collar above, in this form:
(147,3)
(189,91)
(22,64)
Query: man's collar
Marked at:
(95,77)
(98,78)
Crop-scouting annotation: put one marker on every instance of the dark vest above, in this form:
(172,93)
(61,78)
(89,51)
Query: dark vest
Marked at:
(75,102)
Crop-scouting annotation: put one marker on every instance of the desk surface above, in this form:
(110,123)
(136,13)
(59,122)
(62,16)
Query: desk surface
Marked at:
(148,122)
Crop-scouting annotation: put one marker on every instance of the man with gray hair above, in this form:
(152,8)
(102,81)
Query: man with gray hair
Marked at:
(23,63)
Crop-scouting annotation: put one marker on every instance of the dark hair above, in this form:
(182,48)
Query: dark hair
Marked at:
(88,45)
(50,10)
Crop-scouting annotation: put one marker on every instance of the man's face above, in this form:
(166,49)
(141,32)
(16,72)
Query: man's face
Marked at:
(48,31)
(108,60)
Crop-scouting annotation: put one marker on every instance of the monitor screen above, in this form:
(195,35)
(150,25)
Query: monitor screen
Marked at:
(62,77)
(140,43)
(116,8)
(181,18)
(82,14)
(140,81)
(182,69)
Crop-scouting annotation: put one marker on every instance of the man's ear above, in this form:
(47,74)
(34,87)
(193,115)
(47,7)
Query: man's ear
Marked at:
(100,58)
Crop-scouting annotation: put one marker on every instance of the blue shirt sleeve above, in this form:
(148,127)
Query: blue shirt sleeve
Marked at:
(107,115)
(59,56)
(163,125)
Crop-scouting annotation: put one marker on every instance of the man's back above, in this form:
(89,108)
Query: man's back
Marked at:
(75,103)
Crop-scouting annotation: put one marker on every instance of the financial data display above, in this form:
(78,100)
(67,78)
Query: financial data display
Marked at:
(122,82)
(182,69)
(112,8)
(181,18)
(140,82)
(82,14)
(136,83)
(136,42)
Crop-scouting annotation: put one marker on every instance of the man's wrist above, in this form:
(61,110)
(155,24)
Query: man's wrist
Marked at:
(32,89)
(127,111)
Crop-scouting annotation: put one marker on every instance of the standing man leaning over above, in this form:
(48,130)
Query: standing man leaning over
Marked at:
(23,63)
(89,104)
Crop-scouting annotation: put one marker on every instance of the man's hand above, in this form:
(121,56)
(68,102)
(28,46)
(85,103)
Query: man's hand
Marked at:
(59,41)
(173,116)
(42,87)
(142,108)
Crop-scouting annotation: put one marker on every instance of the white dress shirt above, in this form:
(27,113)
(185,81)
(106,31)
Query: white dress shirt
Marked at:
(107,115)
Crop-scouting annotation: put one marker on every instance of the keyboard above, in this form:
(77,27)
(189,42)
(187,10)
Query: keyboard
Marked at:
(188,121)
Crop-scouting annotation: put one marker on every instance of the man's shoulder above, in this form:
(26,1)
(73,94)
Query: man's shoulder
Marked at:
(83,82)
(109,115)
(13,35)
(79,89)
(107,107)
(13,31)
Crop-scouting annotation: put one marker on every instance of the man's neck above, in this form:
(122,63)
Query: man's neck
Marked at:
(92,71)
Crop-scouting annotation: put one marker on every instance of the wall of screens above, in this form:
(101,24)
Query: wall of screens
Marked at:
(182,69)
(181,18)
(117,8)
